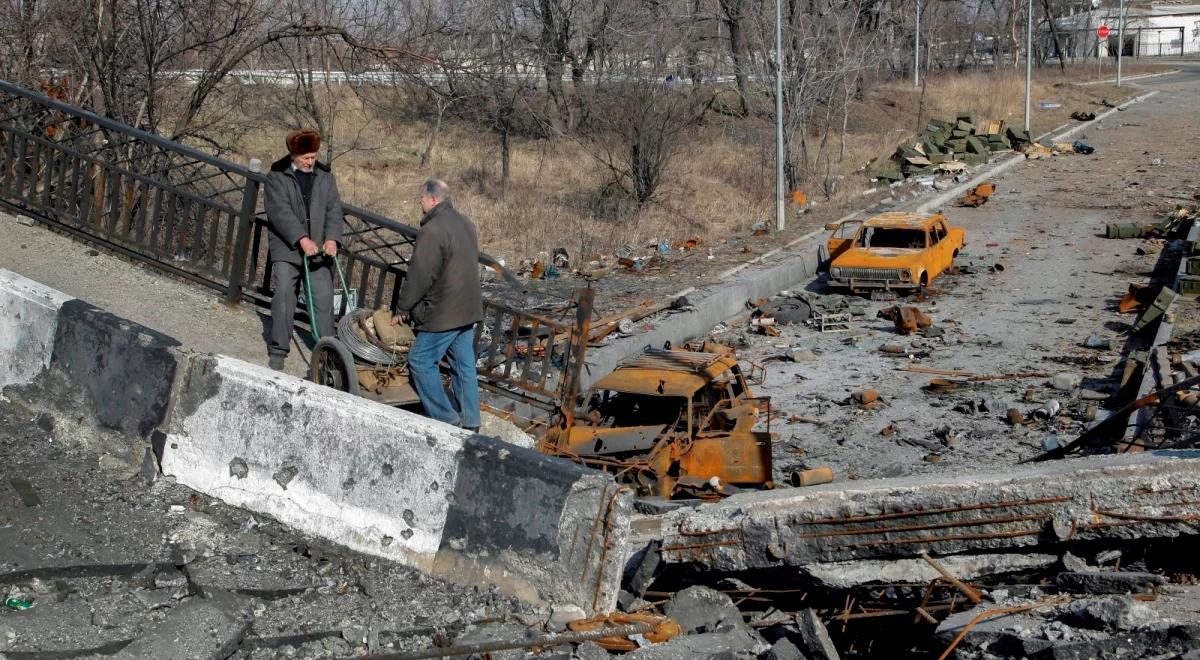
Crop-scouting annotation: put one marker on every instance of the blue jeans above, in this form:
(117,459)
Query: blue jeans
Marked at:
(458,346)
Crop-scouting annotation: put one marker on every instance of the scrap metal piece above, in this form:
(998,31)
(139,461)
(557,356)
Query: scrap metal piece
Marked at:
(813,477)
(908,319)
(658,629)
(978,196)
(970,592)
(1155,310)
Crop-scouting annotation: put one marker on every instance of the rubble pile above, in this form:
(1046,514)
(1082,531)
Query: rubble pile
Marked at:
(1112,616)
(949,146)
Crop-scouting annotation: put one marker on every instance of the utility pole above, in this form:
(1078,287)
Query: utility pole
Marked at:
(1028,62)
(1120,37)
(780,216)
(917,49)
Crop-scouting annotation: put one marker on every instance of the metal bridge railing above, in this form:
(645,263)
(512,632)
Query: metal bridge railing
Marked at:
(199,217)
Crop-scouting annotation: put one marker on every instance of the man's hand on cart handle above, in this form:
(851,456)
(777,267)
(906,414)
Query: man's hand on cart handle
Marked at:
(308,247)
(330,247)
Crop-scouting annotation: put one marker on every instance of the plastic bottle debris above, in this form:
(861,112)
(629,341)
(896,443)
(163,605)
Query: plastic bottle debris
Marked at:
(1065,381)
(1082,148)
(19,603)
(1050,443)
(1048,410)
(1096,341)
(1048,105)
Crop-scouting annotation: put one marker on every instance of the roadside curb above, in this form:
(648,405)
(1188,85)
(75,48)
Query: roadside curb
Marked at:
(1141,76)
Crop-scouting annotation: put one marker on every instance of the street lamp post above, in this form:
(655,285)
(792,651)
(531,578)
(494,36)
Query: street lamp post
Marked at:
(1120,37)
(917,50)
(1028,62)
(780,216)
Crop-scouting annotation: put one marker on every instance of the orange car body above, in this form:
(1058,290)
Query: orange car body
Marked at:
(893,251)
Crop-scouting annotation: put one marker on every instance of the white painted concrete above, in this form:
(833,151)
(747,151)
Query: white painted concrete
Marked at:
(372,478)
(28,321)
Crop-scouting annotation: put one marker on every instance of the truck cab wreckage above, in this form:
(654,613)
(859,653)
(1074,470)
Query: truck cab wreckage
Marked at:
(672,422)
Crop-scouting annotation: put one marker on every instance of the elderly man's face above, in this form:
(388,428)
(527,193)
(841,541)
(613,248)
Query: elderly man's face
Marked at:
(304,162)
(428,202)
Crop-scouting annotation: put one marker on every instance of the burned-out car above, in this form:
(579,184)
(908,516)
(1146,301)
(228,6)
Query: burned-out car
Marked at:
(676,423)
(892,251)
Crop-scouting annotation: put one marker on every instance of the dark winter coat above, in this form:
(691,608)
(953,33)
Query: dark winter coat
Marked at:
(285,210)
(441,290)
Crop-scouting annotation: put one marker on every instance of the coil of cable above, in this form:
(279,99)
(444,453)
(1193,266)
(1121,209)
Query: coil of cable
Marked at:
(363,349)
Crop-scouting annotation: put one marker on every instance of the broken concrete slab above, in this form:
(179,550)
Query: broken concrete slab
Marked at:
(784,649)
(1112,613)
(844,575)
(1093,498)
(699,609)
(729,643)
(197,629)
(1108,582)
(400,486)
(817,643)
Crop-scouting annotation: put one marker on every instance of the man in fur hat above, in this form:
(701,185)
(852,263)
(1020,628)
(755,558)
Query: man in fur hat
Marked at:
(304,214)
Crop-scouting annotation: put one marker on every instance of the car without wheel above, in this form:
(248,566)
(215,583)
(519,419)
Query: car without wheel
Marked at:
(892,251)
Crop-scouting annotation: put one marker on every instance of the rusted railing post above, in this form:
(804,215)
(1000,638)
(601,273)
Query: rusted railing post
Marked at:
(574,363)
(241,242)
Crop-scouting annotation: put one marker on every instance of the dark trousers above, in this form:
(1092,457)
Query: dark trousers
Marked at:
(287,281)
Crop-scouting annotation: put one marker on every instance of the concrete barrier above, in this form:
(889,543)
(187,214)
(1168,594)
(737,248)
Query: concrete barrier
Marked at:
(28,322)
(372,478)
(393,484)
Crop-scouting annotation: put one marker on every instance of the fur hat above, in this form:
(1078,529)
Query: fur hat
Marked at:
(305,141)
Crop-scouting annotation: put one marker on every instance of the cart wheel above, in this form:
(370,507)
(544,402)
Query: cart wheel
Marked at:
(333,366)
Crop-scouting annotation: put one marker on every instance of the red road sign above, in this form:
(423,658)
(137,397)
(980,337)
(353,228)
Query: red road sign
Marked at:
(1102,32)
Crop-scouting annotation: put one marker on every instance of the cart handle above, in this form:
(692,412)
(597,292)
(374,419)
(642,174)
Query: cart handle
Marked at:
(350,300)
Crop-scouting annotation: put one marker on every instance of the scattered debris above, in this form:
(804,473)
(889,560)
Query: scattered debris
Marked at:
(1080,115)
(865,397)
(907,319)
(978,195)
(811,477)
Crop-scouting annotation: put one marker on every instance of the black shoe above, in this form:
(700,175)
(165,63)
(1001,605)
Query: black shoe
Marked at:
(276,362)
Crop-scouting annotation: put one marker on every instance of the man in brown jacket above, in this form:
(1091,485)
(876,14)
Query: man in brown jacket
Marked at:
(442,299)
(304,217)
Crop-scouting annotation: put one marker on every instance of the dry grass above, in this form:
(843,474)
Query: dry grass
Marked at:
(721,180)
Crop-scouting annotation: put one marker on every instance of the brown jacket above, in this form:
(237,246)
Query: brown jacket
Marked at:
(441,289)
